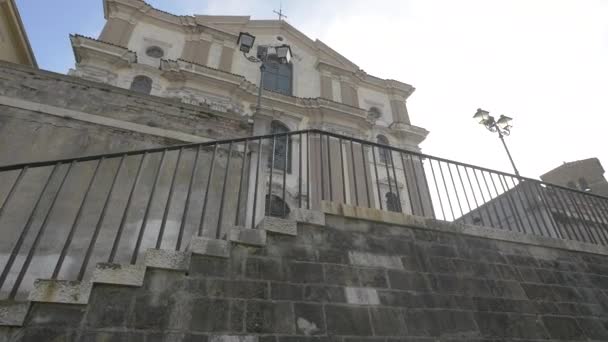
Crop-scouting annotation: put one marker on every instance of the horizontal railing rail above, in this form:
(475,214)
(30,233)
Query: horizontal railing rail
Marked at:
(59,217)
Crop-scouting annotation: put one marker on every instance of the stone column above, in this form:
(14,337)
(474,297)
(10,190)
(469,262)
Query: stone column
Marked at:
(117,31)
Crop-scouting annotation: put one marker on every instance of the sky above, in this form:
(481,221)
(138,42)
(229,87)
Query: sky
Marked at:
(542,62)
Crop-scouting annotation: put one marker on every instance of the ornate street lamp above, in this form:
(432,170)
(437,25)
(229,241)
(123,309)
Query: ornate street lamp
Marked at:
(501,126)
(280,54)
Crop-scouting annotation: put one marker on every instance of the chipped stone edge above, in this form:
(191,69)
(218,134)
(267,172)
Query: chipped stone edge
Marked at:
(167,259)
(315,217)
(246,236)
(60,291)
(339,209)
(117,274)
(13,314)
(210,247)
(277,225)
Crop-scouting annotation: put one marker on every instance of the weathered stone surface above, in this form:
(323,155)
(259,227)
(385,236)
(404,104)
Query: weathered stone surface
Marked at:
(13,313)
(362,296)
(279,226)
(307,216)
(251,237)
(130,275)
(60,291)
(374,260)
(235,338)
(210,247)
(167,259)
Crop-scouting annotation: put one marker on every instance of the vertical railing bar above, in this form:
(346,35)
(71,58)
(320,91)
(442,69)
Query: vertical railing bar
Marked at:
(329,173)
(530,199)
(240,193)
(511,203)
(255,189)
(182,225)
(365,165)
(123,220)
(270,176)
(489,203)
(342,174)
(102,216)
(287,160)
(220,219)
(407,184)
(466,197)
(377,178)
(502,207)
(321,166)
(546,204)
(437,189)
(582,217)
(30,254)
(381,151)
(163,224)
(201,224)
(598,232)
(395,178)
(601,210)
(76,222)
(144,223)
(300,173)
(13,189)
(455,190)
(308,171)
(466,172)
(447,193)
(563,206)
(427,187)
(410,157)
(352,157)
(26,228)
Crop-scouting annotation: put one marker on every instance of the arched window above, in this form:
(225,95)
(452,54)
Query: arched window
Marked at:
(384,153)
(142,84)
(282,147)
(275,206)
(278,78)
(392,202)
(582,182)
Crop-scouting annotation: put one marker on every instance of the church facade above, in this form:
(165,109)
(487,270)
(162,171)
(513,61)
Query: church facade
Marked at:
(196,60)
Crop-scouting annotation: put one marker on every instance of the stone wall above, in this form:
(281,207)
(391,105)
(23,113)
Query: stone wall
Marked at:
(350,280)
(45,116)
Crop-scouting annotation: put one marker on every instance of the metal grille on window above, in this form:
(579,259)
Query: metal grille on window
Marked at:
(282,147)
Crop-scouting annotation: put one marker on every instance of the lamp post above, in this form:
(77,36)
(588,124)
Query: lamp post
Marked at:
(266,53)
(501,126)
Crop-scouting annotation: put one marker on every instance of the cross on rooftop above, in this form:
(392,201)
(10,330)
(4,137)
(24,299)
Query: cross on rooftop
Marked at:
(280,12)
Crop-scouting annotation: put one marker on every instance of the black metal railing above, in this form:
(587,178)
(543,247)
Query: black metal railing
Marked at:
(57,218)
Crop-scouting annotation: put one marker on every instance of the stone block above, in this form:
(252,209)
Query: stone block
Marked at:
(262,268)
(53,315)
(345,320)
(307,216)
(109,306)
(326,294)
(237,289)
(341,275)
(374,260)
(250,237)
(209,247)
(167,259)
(361,296)
(232,338)
(129,275)
(13,313)
(209,315)
(309,319)
(277,225)
(388,322)
(284,291)
(269,317)
(60,291)
(304,272)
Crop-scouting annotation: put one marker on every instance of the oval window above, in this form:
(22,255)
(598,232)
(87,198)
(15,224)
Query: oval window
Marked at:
(155,52)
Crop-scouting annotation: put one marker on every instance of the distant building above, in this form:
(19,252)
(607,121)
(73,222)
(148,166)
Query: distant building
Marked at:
(585,175)
(14,45)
